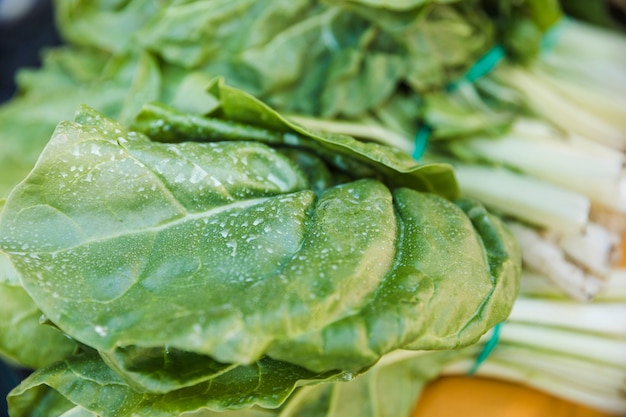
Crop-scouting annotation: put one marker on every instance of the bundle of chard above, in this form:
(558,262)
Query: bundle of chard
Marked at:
(335,225)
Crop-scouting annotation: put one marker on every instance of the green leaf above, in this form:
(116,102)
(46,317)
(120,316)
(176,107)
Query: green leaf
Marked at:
(191,33)
(447,251)
(240,115)
(24,340)
(145,84)
(162,369)
(453,115)
(522,25)
(395,4)
(356,78)
(20,324)
(330,59)
(174,221)
(85,381)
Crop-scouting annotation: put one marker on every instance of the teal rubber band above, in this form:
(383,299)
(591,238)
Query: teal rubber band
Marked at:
(487,349)
(421,141)
(482,67)
(485,64)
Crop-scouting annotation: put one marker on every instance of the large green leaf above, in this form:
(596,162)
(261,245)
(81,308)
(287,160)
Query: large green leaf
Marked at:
(155,223)
(328,58)
(84,384)
(390,389)
(24,340)
(84,22)
(163,369)
(395,4)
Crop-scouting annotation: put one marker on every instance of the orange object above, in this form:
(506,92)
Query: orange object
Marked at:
(465,396)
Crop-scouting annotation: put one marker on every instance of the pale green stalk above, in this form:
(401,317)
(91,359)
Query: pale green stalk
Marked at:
(548,103)
(604,317)
(567,388)
(557,159)
(533,200)
(587,346)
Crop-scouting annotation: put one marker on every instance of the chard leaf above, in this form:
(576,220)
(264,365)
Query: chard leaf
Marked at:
(455,116)
(210,248)
(144,81)
(20,324)
(84,382)
(156,224)
(8,274)
(396,4)
(355,78)
(240,115)
(162,369)
(410,310)
(308,57)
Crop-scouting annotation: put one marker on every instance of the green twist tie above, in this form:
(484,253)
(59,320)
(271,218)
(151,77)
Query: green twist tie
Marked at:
(487,349)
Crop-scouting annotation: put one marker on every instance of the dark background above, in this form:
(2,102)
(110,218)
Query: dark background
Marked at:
(21,39)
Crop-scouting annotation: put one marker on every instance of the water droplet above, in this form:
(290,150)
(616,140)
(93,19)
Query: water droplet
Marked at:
(101,330)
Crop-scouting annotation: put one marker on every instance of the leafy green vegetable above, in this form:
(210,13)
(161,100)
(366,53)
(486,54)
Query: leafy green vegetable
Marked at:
(20,320)
(173,251)
(83,22)
(388,390)
(325,58)
(84,382)
(344,153)
(132,240)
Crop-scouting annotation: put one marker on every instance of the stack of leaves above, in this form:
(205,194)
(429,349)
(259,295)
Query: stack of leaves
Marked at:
(219,262)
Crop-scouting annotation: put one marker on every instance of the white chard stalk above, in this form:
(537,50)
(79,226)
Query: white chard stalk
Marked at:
(561,158)
(563,258)
(521,196)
